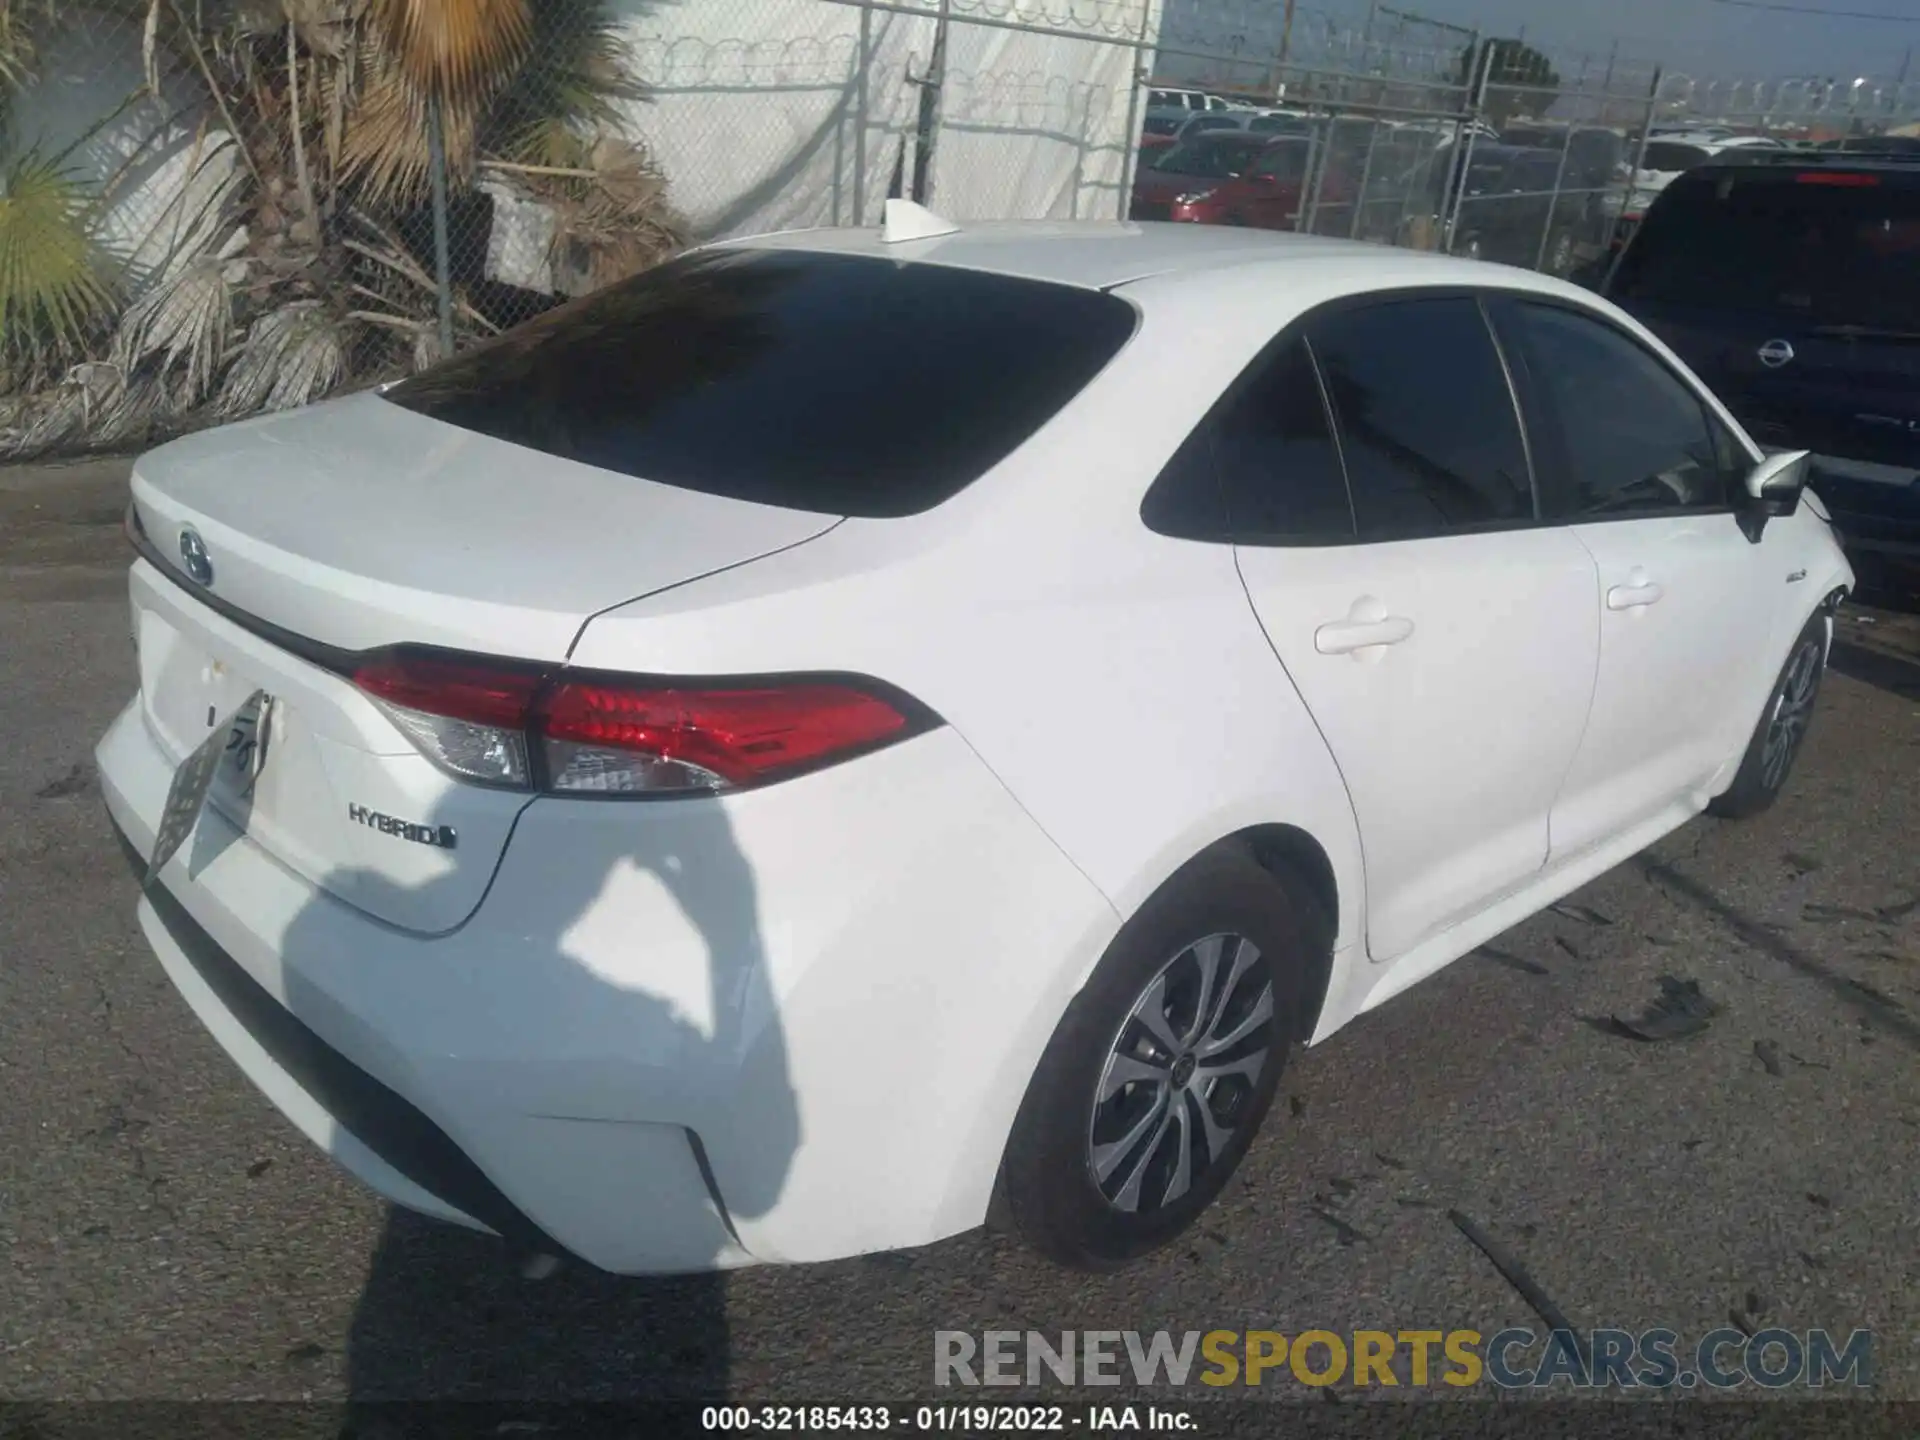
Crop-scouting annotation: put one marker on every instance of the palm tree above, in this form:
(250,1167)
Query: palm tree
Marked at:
(294,274)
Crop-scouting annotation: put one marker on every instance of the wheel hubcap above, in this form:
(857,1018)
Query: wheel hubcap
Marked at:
(1791,710)
(1179,1080)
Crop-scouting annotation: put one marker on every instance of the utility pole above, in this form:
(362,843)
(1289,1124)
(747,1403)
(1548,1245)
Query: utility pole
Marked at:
(1276,80)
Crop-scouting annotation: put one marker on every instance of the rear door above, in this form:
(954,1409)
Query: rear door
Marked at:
(1443,639)
(1646,477)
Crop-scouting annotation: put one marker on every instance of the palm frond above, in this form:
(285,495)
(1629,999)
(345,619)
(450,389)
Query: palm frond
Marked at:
(459,50)
(611,214)
(187,320)
(55,290)
(383,147)
(199,209)
(291,357)
(574,80)
(565,78)
(22,23)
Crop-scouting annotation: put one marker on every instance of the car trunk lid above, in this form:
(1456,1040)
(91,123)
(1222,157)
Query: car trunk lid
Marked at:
(358,523)
(326,533)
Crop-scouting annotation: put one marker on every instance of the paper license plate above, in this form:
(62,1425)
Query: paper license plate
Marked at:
(236,742)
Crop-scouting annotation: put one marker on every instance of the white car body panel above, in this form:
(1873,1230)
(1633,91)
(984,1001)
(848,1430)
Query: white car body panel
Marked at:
(1662,728)
(702,1012)
(1451,783)
(317,517)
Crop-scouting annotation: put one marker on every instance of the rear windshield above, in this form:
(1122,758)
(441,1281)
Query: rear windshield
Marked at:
(1822,253)
(839,384)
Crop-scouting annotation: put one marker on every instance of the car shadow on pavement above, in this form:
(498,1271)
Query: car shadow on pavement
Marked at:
(1896,674)
(445,1313)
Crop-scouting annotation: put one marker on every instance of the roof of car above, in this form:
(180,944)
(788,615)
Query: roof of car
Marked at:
(1100,254)
(1748,157)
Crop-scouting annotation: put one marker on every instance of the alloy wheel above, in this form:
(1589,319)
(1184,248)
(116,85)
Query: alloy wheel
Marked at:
(1791,710)
(1180,1078)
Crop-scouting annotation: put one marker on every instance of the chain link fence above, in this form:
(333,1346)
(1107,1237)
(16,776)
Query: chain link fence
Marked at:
(215,208)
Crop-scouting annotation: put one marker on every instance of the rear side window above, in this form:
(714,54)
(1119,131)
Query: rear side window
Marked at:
(843,385)
(1823,247)
(1279,469)
(1262,468)
(1426,418)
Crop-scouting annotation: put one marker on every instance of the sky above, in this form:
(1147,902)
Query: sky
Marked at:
(1707,36)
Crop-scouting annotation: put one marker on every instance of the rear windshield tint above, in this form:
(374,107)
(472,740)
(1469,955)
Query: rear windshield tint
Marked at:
(843,385)
(1823,253)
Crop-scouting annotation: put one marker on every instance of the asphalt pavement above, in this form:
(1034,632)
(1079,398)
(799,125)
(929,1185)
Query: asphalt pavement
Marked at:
(168,1235)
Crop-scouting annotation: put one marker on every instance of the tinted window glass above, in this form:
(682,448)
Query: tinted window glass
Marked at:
(1285,161)
(1828,254)
(1185,500)
(1211,158)
(1630,435)
(1274,451)
(829,383)
(1426,419)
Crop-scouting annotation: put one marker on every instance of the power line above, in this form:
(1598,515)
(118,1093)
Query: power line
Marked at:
(1815,10)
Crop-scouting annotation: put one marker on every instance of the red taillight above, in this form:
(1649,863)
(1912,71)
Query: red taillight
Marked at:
(456,689)
(504,724)
(1835,177)
(741,735)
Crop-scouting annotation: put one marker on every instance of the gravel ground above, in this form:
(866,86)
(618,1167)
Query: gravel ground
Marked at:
(168,1235)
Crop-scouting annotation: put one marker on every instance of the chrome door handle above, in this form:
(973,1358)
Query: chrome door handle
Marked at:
(1343,637)
(1633,597)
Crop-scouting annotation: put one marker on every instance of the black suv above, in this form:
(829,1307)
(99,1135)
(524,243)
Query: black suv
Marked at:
(1790,281)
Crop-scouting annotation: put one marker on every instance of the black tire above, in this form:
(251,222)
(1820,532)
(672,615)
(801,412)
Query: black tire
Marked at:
(1050,1193)
(1782,728)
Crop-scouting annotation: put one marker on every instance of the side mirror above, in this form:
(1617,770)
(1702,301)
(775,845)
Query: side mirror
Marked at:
(1774,485)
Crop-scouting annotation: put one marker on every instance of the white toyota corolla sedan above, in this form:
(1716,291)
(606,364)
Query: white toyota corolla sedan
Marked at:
(854,733)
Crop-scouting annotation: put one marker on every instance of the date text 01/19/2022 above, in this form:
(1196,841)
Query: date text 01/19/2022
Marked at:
(949,1419)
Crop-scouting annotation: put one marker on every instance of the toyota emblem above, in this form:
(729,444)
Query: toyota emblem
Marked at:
(1775,353)
(194,558)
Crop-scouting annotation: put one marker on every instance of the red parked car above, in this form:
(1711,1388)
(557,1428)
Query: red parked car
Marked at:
(1233,178)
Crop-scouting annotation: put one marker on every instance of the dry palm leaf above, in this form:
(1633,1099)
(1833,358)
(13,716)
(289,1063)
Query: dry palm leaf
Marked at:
(187,318)
(292,356)
(459,50)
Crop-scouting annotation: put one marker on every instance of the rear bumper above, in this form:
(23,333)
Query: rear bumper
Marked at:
(789,1026)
